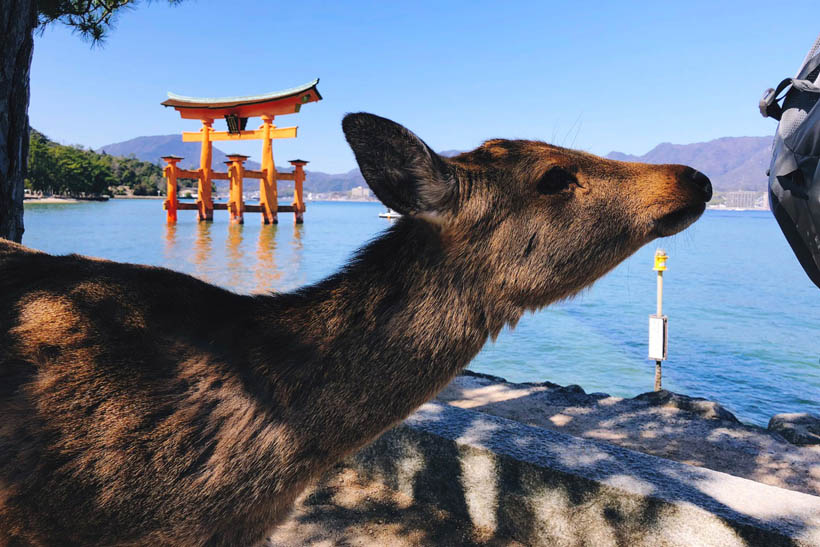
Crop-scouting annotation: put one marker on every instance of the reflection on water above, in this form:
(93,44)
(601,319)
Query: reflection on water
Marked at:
(297,254)
(245,261)
(202,248)
(170,247)
(234,254)
(298,229)
(265,271)
(257,258)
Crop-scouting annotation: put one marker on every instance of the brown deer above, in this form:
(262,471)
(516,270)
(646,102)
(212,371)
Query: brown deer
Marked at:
(140,406)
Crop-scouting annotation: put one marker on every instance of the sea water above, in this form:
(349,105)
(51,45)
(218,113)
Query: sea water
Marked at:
(744,320)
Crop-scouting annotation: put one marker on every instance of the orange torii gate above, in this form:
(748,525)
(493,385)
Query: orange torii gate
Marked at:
(236,111)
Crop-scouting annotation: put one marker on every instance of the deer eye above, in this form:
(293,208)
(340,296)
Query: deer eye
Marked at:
(555,180)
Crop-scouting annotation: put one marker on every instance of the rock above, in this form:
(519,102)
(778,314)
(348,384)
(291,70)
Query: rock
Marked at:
(701,433)
(696,405)
(471,374)
(798,428)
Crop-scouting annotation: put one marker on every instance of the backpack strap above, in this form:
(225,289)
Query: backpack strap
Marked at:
(769,105)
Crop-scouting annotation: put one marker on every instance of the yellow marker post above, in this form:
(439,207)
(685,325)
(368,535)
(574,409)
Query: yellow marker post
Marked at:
(658,323)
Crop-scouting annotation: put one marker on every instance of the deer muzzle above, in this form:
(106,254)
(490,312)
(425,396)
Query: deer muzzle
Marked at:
(680,200)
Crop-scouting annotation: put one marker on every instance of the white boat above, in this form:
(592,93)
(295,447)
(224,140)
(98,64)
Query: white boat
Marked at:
(390,213)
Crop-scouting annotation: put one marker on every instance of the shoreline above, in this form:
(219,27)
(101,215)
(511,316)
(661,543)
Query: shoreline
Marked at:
(102,199)
(708,208)
(51,200)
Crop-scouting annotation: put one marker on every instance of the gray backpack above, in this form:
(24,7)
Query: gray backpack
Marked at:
(794,174)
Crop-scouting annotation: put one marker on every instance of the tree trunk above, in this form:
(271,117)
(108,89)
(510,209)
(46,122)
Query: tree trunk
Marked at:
(17,21)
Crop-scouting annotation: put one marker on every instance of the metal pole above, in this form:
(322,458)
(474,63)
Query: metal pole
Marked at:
(658,369)
(660,267)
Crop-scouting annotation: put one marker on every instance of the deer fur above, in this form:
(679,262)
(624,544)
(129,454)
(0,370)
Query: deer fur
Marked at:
(141,406)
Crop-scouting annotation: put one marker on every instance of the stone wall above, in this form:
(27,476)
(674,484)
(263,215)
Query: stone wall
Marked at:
(542,487)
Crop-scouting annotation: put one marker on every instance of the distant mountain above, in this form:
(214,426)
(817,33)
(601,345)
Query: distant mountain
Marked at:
(316,181)
(732,163)
(154,147)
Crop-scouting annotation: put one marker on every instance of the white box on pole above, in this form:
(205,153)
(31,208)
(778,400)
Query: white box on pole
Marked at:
(658,337)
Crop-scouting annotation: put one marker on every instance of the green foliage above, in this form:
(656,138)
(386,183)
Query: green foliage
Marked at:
(73,171)
(42,163)
(143,177)
(90,18)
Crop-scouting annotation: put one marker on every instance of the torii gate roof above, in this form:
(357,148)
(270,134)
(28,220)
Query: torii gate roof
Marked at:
(287,101)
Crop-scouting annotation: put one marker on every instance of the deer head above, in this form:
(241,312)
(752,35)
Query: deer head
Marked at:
(535,222)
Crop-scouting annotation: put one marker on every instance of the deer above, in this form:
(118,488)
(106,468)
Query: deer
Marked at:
(142,406)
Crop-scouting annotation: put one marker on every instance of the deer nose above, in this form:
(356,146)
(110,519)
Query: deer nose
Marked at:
(701,182)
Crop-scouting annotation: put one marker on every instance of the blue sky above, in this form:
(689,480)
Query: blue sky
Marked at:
(592,75)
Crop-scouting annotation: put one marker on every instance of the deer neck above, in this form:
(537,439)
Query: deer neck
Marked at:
(386,333)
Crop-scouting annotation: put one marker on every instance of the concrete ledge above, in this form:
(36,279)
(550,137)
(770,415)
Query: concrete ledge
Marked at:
(541,487)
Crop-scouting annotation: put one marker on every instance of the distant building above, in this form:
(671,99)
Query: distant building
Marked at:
(360,192)
(764,201)
(742,200)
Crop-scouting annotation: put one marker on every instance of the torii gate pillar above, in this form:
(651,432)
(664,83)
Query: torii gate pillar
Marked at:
(268,198)
(205,202)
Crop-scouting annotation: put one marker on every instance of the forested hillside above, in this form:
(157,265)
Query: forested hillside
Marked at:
(78,172)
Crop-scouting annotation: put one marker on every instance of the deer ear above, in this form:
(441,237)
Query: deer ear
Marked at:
(403,172)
